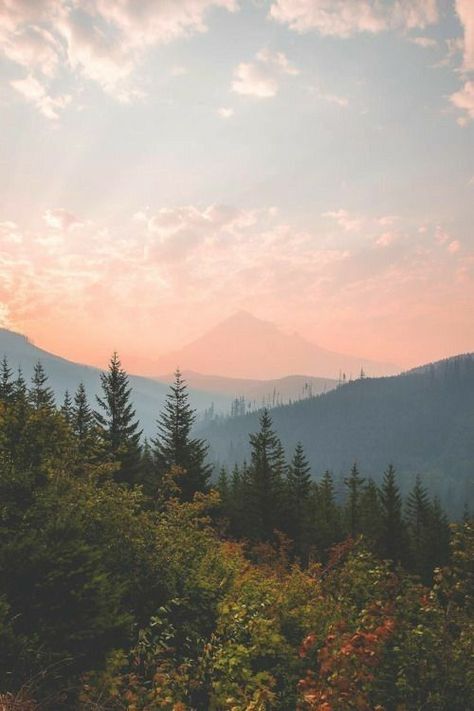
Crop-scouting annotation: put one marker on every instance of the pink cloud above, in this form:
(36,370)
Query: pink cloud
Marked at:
(261,78)
(386,239)
(464,100)
(61,219)
(34,92)
(349,222)
(200,263)
(454,246)
(344,18)
(100,40)
(465,11)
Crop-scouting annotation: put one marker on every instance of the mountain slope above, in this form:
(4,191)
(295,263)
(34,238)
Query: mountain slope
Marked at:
(421,421)
(148,394)
(279,390)
(246,347)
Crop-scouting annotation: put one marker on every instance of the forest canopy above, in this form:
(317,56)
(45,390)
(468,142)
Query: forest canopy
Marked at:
(132,576)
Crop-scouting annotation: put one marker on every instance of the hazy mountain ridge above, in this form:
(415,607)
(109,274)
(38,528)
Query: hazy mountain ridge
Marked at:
(421,421)
(247,347)
(291,387)
(148,394)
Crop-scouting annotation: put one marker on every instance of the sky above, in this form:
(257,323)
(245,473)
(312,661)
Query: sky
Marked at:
(164,163)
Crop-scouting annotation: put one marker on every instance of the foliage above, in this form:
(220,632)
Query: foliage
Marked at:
(115,594)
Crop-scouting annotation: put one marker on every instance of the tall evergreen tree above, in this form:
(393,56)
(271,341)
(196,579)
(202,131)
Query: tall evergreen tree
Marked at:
(299,476)
(418,510)
(40,395)
(370,513)
(439,536)
(223,486)
(325,514)
(354,483)
(66,408)
(392,543)
(118,427)
(264,483)
(6,382)
(298,497)
(174,445)
(20,390)
(84,426)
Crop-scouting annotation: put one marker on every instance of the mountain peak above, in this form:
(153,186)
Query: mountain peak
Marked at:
(245,346)
(243,322)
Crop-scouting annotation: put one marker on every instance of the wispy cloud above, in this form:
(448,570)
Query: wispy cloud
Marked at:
(345,18)
(463,99)
(225,112)
(34,92)
(101,41)
(262,77)
(219,258)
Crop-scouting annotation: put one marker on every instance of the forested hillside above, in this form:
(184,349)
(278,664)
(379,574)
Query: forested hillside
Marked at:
(421,421)
(129,581)
(63,374)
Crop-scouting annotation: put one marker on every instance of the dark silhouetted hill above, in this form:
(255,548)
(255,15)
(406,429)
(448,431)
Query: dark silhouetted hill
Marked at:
(422,421)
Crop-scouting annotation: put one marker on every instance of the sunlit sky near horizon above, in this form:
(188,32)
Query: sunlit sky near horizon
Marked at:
(164,163)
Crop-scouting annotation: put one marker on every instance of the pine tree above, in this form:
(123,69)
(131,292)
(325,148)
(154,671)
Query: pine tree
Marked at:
(418,510)
(354,483)
(438,550)
(223,486)
(6,383)
(66,408)
(280,476)
(84,426)
(175,447)
(326,516)
(20,391)
(148,473)
(264,483)
(118,427)
(299,476)
(370,513)
(40,395)
(299,487)
(392,535)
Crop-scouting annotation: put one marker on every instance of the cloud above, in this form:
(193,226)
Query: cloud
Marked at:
(60,219)
(341,101)
(465,11)
(261,78)
(348,222)
(464,100)
(225,112)
(386,239)
(201,262)
(425,42)
(345,18)
(34,92)
(175,233)
(102,41)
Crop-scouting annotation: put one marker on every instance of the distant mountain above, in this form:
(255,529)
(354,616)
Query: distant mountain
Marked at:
(421,421)
(256,392)
(148,393)
(246,347)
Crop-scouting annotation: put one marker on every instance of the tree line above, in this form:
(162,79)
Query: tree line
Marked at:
(130,579)
(270,495)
